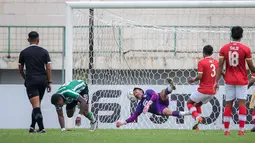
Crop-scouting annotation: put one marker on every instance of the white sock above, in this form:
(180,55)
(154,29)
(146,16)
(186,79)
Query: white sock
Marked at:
(184,113)
(169,89)
(226,130)
(197,117)
(91,117)
(242,129)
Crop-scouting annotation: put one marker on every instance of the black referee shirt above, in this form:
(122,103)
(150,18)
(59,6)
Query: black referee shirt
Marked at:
(34,58)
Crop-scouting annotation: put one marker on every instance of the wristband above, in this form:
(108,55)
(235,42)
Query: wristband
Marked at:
(49,82)
(79,115)
(150,102)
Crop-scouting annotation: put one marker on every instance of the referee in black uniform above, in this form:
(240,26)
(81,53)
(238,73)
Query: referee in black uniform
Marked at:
(36,77)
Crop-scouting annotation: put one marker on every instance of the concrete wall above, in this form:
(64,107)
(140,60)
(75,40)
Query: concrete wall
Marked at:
(51,12)
(12,76)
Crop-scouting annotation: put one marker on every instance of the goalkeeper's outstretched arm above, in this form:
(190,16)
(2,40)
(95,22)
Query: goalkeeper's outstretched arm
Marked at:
(129,120)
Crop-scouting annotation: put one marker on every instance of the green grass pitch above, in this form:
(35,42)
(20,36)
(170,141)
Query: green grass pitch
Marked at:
(124,136)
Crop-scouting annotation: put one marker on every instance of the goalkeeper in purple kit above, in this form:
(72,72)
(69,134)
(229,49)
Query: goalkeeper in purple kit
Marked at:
(156,103)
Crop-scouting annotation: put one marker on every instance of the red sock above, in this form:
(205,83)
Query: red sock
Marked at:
(253,116)
(227,117)
(199,110)
(242,117)
(193,110)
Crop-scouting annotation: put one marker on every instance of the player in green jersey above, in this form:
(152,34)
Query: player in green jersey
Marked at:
(71,94)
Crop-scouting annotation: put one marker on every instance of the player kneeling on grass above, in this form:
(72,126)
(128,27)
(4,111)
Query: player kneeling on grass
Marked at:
(156,103)
(70,94)
(252,102)
(207,68)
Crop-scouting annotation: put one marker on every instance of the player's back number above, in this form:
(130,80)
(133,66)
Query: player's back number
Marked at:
(233,57)
(212,66)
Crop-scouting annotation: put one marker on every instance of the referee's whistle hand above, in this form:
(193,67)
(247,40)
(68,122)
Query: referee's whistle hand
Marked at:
(49,88)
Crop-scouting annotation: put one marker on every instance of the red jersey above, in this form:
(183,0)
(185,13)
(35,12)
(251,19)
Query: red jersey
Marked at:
(235,55)
(208,66)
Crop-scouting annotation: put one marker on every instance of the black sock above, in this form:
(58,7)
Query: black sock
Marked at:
(38,117)
(33,121)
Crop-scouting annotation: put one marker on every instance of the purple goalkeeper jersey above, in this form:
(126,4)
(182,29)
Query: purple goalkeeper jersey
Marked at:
(156,107)
(145,99)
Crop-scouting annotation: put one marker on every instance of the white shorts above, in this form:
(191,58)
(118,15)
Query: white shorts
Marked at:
(200,97)
(235,92)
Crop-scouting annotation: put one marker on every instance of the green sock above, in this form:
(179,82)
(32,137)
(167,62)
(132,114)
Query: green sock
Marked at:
(90,117)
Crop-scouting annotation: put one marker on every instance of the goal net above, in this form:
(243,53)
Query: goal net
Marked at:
(115,50)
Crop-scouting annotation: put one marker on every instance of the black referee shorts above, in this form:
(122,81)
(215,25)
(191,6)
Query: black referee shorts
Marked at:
(35,89)
(74,103)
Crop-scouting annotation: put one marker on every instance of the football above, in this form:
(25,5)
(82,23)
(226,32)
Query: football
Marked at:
(130,95)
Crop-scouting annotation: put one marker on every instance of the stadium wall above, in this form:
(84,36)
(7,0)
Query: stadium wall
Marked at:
(52,13)
(109,104)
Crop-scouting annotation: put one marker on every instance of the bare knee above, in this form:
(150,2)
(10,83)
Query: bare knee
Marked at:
(163,96)
(190,101)
(241,102)
(86,111)
(199,104)
(167,112)
(229,103)
(35,101)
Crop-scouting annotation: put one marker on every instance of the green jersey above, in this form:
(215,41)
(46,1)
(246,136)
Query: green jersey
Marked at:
(71,90)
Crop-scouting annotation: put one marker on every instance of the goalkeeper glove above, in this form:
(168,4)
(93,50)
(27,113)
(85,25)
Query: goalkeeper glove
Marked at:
(120,123)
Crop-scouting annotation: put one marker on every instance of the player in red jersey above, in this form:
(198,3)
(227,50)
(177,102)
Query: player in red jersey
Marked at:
(252,105)
(234,55)
(207,68)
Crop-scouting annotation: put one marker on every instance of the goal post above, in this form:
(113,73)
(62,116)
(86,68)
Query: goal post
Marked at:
(141,43)
(68,60)
(160,4)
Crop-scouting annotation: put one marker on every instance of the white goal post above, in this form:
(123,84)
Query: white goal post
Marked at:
(140,43)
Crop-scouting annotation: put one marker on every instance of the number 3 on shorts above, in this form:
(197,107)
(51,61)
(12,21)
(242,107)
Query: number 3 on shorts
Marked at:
(213,70)
(233,58)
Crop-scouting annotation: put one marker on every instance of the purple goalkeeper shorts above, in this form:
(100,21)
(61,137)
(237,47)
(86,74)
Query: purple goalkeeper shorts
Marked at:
(158,106)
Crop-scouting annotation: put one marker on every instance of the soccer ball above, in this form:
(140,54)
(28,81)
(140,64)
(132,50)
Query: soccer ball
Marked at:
(130,95)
